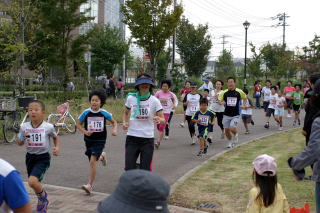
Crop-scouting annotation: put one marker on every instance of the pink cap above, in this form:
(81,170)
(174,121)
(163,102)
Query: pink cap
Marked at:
(265,163)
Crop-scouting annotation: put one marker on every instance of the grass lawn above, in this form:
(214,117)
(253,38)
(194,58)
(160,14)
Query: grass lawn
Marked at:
(226,181)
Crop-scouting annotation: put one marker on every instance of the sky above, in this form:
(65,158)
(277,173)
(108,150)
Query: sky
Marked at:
(225,17)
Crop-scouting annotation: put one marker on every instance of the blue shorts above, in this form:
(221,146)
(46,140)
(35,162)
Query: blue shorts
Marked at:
(210,128)
(94,148)
(37,164)
(203,132)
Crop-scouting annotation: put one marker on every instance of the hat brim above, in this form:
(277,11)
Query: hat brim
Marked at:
(140,81)
(113,205)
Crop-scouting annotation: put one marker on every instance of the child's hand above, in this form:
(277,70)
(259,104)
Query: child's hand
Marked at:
(88,133)
(157,119)
(114,132)
(125,126)
(55,151)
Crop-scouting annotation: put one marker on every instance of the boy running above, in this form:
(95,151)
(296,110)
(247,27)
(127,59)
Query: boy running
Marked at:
(246,111)
(185,90)
(266,95)
(297,96)
(231,98)
(279,110)
(204,118)
(92,123)
(35,135)
(272,106)
(191,101)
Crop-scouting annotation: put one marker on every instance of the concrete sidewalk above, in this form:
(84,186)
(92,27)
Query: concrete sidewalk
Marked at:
(70,200)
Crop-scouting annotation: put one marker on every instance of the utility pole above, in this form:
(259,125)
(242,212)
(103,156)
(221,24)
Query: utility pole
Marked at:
(224,41)
(173,43)
(282,17)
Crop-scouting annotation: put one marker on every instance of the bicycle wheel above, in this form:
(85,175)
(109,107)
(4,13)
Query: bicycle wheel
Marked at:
(70,124)
(11,127)
(53,119)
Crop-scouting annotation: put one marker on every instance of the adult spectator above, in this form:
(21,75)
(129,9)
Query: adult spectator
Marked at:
(311,109)
(310,155)
(206,85)
(257,93)
(112,87)
(12,191)
(138,191)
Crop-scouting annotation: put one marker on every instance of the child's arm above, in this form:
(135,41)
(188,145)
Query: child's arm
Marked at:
(82,129)
(159,118)
(114,127)
(56,148)
(22,138)
(125,119)
(213,121)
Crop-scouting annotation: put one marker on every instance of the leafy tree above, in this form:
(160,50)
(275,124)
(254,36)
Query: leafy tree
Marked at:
(310,59)
(58,45)
(194,44)
(108,49)
(225,66)
(254,63)
(163,61)
(151,23)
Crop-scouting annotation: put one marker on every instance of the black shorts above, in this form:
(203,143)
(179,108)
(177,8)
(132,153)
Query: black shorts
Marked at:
(296,108)
(184,108)
(37,165)
(94,148)
(246,118)
(265,105)
(270,112)
(289,103)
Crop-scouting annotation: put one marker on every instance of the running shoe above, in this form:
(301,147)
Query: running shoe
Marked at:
(87,188)
(103,158)
(289,116)
(166,137)
(209,140)
(247,133)
(43,203)
(299,122)
(280,128)
(229,145)
(267,125)
(201,152)
(294,123)
(182,124)
(252,122)
(157,145)
(194,140)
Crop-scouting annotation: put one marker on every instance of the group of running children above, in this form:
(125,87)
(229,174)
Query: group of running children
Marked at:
(142,111)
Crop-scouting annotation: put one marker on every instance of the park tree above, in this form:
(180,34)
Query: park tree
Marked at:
(151,23)
(254,63)
(225,66)
(163,61)
(310,59)
(194,44)
(108,49)
(58,45)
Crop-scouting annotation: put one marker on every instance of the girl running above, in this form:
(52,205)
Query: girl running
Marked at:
(141,112)
(216,107)
(279,110)
(183,93)
(167,101)
(288,90)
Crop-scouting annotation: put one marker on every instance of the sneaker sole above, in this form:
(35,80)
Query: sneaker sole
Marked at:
(86,190)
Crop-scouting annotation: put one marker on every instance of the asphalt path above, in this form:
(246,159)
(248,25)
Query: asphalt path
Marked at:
(174,158)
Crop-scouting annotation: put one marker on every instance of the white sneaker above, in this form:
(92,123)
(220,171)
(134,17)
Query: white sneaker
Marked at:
(87,188)
(236,138)
(182,124)
(103,158)
(194,140)
(166,137)
(229,145)
(280,128)
(289,115)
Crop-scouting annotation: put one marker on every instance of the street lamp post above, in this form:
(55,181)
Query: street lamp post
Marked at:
(246,25)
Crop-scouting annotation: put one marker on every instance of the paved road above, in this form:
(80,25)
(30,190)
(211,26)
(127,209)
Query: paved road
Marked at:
(174,158)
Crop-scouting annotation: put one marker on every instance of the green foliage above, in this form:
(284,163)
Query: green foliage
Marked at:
(254,63)
(178,77)
(108,49)
(162,64)
(151,23)
(194,44)
(309,60)
(225,66)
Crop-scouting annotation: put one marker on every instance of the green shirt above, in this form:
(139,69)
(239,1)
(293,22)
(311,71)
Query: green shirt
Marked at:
(297,97)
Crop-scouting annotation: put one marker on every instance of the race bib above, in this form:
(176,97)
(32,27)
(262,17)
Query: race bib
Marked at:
(231,101)
(37,137)
(267,94)
(95,124)
(297,97)
(193,107)
(144,113)
(204,120)
(164,102)
(273,101)
(215,99)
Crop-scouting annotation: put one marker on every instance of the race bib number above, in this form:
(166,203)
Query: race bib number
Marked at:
(273,101)
(95,124)
(164,102)
(297,97)
(204,120)
(215,99)
(37,137)
(231,101)
(144,112)
(267,94)
(193,107)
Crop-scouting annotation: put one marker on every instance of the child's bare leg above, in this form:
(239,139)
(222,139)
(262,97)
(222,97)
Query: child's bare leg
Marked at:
(202,142)
(35,184)
(93,169)
(246,126)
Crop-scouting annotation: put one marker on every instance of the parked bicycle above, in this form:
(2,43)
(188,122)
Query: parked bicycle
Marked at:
(63,119)
(14,116)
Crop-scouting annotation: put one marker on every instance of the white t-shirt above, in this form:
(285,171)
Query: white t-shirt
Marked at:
(266,93)
(39,141)
(247,111)
(143,125)
(273,101)
(194,103)
(280,101)
(215,106)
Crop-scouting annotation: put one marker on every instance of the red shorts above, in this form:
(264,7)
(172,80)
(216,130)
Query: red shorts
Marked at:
(161,127)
